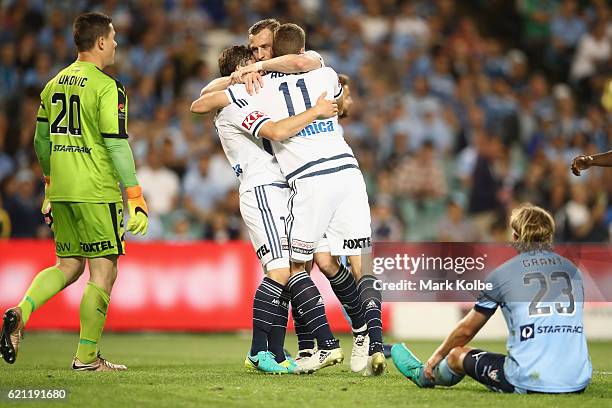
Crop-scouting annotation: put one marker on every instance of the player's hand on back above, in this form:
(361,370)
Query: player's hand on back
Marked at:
(581,162)
(326,109)
(139,214)
(248,69)
(236,78)
(253,82)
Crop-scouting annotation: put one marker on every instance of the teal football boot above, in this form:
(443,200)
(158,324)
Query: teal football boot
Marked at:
(407,363)
(290,365)
(265,362)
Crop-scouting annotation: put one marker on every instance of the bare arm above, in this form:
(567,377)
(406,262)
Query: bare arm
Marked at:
(288,64)
(292,63)
(288,127)
(602,159)
(465,331)
(219,84)
(584,162)
(461,335)
(210,102)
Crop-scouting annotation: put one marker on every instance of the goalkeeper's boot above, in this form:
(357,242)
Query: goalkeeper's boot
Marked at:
(320,359)
(377,364)
(99,364)
(265,362)
(407,363)
(11,335)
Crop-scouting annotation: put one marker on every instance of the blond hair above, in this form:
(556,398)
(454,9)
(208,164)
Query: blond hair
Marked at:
(532,224)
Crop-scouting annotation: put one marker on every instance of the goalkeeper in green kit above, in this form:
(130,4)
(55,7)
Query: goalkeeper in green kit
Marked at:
(81,144)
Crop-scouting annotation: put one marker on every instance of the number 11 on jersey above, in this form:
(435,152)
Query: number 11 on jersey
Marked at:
(284,88)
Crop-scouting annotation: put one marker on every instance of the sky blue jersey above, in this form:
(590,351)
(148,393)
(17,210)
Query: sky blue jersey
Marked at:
(542,298)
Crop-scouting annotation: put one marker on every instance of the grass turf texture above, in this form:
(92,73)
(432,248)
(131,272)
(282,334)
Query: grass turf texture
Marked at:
(207,370)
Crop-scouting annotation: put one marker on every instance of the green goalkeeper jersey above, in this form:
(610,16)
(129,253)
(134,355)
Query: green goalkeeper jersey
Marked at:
(82,106)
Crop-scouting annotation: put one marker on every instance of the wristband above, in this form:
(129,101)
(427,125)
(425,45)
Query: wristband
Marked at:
(133,192)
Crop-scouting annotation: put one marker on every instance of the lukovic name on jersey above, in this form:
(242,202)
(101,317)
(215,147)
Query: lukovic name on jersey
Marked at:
(72,80)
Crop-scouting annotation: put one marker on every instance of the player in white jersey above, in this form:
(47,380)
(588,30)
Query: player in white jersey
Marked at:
(306,297)
(342,282)
(318,163)
(263,197)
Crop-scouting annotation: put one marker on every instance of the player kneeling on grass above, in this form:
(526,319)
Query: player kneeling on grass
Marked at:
(542,298)
(83,115)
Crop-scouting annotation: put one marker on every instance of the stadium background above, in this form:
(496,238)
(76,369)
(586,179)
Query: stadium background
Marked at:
(463,110)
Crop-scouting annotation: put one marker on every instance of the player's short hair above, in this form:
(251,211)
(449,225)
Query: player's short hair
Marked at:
(88,27)
(233,57)
(532,224)
(289,38)
(268,24)
(344,79)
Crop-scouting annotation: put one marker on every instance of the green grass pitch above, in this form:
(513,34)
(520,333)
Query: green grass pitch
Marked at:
(203,370)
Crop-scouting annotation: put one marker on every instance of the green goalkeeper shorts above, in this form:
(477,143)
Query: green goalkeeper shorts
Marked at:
(91,230)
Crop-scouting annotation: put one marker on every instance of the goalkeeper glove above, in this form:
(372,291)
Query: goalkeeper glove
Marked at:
(46,205)
(139,217)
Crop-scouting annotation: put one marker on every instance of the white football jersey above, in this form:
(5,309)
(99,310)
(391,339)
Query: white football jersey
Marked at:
(316,55)
(251,158)
(319,148)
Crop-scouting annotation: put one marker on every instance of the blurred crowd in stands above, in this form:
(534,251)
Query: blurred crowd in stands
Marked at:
(463,109)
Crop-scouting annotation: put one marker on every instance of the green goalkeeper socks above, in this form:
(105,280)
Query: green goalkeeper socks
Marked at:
(94,306)
(45,285)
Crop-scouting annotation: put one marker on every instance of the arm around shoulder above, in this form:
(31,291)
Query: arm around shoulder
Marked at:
(218,84)
(210,102)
